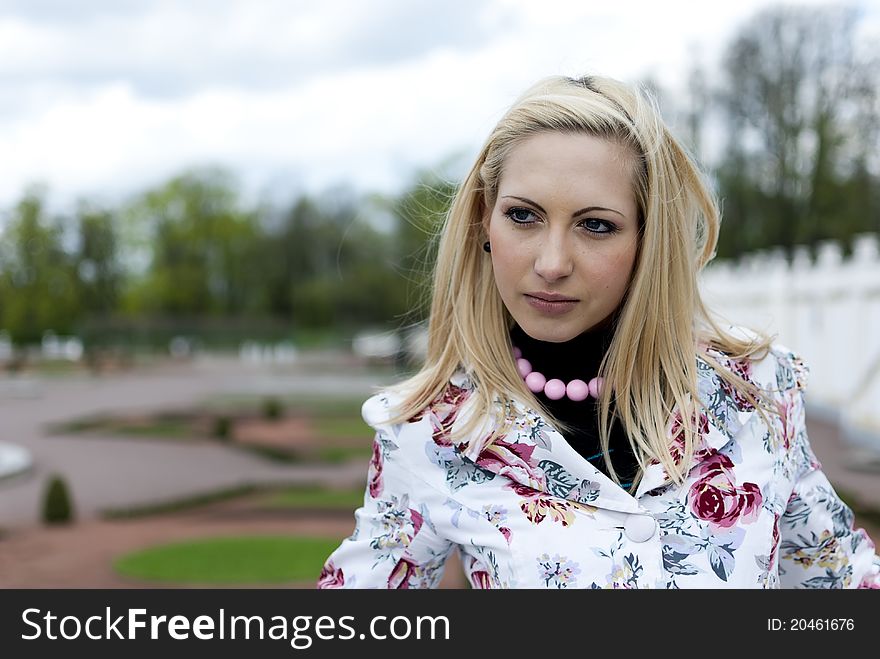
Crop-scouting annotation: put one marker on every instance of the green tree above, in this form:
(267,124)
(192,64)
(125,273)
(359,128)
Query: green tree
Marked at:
(799,98)
(38,279)
(297,253)
(100,272)
(203,247)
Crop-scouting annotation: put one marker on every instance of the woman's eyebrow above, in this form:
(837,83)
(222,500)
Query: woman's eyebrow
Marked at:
(588,209)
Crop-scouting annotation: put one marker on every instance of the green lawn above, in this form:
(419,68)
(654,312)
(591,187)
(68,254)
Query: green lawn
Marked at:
(315,498)
(308,405)
(293,497)
(162,426)
(341,426)
(231,560)
(177,505)
(169,428)
(338,454)
(328,407)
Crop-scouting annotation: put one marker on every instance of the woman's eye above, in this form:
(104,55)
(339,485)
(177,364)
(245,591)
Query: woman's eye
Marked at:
(519,215)
(599,226)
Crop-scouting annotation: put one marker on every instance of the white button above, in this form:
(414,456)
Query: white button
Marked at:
(640,528)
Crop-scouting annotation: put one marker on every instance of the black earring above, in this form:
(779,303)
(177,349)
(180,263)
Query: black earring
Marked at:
(487,247)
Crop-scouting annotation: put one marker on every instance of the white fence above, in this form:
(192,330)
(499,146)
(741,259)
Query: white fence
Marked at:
(828,311)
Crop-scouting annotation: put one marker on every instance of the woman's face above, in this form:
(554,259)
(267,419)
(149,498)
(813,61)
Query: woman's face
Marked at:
(565,224)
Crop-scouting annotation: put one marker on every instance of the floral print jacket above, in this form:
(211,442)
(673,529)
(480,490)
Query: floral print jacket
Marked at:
(529,512)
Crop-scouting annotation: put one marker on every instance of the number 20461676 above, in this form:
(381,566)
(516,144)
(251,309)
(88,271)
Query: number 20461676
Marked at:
(810,624)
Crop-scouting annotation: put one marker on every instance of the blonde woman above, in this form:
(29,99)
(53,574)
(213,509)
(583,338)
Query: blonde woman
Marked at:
(581,420)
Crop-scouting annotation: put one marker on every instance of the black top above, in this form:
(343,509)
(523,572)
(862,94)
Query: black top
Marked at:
(579,358)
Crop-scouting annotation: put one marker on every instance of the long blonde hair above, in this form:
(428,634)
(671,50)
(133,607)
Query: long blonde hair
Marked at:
(662,324)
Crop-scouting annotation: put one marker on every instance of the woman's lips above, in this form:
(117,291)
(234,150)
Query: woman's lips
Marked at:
(551,308)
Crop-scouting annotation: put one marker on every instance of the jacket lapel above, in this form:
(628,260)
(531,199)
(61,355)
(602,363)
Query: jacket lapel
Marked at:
(536,458)
(729,416)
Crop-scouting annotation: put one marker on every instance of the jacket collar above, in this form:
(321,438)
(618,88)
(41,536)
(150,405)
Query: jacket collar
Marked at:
(536,457)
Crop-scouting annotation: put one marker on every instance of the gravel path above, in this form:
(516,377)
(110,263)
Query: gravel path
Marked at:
(107,473)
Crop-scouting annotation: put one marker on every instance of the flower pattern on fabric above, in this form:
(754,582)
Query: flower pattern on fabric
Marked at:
(742,368)
(382,446)
(675,431)
(557,571)
(399,524)
(625,570)
(787,409)
(481,570)
(442,412)
(822,558)
(692,547)
(496,515)
(331,577)
(529,511)
(537,505)
(774,548)
(459,471)
(716,397)
(374,473)
(533,428)
(716,498)
(509,458)
(562,484)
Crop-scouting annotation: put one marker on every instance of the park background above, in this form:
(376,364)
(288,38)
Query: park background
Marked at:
(218,224)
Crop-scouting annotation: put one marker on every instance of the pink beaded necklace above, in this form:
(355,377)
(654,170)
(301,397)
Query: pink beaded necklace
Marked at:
(555,389)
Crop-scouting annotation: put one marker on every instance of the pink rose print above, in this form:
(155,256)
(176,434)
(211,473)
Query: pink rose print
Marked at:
(448,401)
(401,574)
(480,579)
(502,453)
(742,368)
(522,490)
(716,498)
(417,520)
(442,433)
(331,577)
(714,464)
(442,412)
(775,544)
(375,471)
(786,409)
(677,433)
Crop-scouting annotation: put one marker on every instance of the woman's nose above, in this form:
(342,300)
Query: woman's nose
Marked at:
(554,259)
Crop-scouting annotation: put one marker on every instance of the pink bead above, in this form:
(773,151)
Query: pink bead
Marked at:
(535,382)
(517,353)
(524,367)
(554,389)
(577,390)
(596,386)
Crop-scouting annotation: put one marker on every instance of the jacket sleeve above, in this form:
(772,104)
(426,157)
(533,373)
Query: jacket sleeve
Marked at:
(820,547)
(394,544)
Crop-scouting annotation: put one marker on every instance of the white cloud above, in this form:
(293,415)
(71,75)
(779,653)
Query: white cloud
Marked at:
(104,103)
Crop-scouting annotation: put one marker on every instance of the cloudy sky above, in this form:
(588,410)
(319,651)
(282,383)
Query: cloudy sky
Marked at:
(103,98)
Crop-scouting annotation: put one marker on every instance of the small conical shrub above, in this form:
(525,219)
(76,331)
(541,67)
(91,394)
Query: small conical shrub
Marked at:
(272,408)
(222,428)
(57,505)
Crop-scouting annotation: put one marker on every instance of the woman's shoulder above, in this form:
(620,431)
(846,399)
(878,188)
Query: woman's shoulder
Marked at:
(779,366)
(388,402)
